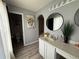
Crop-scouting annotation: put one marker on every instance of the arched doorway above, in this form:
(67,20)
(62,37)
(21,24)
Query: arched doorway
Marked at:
(41,24)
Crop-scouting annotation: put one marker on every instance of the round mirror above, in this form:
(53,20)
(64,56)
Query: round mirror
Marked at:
(54,21)
(76,17)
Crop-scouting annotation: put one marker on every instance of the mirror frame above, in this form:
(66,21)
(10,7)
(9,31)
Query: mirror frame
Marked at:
(52,14)
(75,16)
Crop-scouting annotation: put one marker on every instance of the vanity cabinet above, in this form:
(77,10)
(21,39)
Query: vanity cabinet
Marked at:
(46,50)
(50,51)
(57,49)
(41,48)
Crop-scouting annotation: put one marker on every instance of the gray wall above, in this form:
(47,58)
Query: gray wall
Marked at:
(67,11)
(30,35)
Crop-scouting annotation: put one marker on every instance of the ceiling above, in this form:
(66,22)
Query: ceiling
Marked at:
(33,5)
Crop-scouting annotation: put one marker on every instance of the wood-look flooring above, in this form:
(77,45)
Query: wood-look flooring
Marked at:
(28,52)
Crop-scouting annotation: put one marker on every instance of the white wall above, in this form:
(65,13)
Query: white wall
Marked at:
(30,35)
(68,12)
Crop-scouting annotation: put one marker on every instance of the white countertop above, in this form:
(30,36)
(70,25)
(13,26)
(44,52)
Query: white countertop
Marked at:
(67,50)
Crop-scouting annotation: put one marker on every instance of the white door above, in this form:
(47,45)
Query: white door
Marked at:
(2,54)
(5,31)
(41,48)
(50,51)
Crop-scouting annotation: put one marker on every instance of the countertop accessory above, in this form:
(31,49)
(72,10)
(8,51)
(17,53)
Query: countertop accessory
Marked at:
(67,31)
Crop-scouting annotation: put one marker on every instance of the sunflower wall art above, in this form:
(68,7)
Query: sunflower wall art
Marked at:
(30,21)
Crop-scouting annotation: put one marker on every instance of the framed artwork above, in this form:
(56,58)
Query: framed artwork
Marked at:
(30,21)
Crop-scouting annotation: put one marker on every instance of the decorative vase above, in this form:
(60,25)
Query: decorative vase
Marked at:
(66,39)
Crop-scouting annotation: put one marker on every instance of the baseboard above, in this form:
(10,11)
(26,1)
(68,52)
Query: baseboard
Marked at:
(31,43)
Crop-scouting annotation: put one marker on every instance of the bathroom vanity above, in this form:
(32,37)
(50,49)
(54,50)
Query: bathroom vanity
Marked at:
(57,49)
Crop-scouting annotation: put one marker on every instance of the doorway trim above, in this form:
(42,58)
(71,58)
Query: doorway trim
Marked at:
(22,24)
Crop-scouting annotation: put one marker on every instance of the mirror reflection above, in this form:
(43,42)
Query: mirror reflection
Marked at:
(54,21)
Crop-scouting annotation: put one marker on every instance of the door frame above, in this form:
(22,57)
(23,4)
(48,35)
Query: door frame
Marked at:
(15,12)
